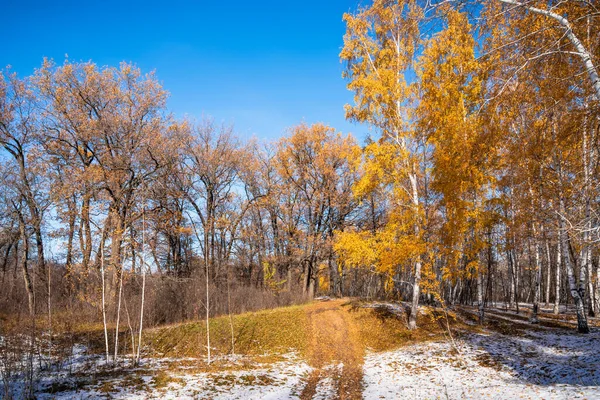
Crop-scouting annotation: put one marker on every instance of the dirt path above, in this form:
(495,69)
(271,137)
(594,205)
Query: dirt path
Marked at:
(335,351)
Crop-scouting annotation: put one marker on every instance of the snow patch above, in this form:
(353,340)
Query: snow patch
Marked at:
(549,365)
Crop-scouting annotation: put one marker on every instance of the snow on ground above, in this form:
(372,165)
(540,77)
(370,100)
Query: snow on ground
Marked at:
(548,365)
(279,380)
(326,386)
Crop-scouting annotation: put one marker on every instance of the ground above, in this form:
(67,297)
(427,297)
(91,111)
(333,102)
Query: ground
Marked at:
(335,354)
(339,349)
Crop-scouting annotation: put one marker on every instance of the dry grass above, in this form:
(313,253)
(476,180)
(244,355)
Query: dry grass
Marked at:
(163,379)
(265,332)
(381,330)
(261,336)
(287,329)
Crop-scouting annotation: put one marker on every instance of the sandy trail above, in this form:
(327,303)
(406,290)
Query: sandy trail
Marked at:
(335,352)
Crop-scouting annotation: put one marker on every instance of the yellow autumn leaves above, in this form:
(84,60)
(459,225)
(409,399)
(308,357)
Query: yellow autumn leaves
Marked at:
(428,161)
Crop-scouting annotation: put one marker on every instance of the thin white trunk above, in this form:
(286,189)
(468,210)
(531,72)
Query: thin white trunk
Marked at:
(585,270)
(206,273)
(557,273)
(538,278)
(574,288)
(143,267)
(118,319)
(131,332)
(229,311)
(598,287)
(516,276)
(49,316)
(207,314)
(511,278)
(548,272)
(103,293)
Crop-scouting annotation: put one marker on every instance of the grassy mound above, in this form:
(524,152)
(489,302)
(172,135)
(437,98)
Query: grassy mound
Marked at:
(287,329)
(381,330)
(256,333)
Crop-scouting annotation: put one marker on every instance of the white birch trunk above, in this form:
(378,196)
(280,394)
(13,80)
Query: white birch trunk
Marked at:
(557,273)
(516,276)
(207,315)
(130,332)
(103,293)
(414,310)
(548,272)
(229,310)
(538,278)
(593,306)
(511,278)
(574,288)
(586,267)
(49,315)
(480,297)
(143,267)
(598,287)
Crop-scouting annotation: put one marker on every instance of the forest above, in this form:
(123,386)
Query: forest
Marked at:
(477,188)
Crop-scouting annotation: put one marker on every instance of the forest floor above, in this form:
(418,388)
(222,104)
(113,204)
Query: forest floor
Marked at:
(341,349)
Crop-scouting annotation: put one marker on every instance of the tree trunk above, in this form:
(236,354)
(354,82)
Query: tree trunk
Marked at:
(558,265)
(480,297)
(593,305)
(548,272)
(115,251)
(85,239)
(576,292)
(102,274)
(511,278)
(23,262)
(71,234)
(144,267)
(538,279)
(306,288)
(585,271)
(39,244)
(118,319)
(333,275)
(597,296)
(516,278)
(414,310)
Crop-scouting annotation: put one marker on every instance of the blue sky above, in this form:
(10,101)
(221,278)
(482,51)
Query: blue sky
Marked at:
(262,66)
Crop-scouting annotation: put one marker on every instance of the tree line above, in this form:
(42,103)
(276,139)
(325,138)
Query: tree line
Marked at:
(478,184)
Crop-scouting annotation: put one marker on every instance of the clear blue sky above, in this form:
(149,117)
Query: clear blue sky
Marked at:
(261,65)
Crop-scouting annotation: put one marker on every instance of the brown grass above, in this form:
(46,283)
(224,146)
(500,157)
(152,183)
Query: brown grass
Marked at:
(265,332)
(382,330)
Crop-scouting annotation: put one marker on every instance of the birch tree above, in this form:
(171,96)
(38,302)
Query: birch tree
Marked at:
(379,45)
